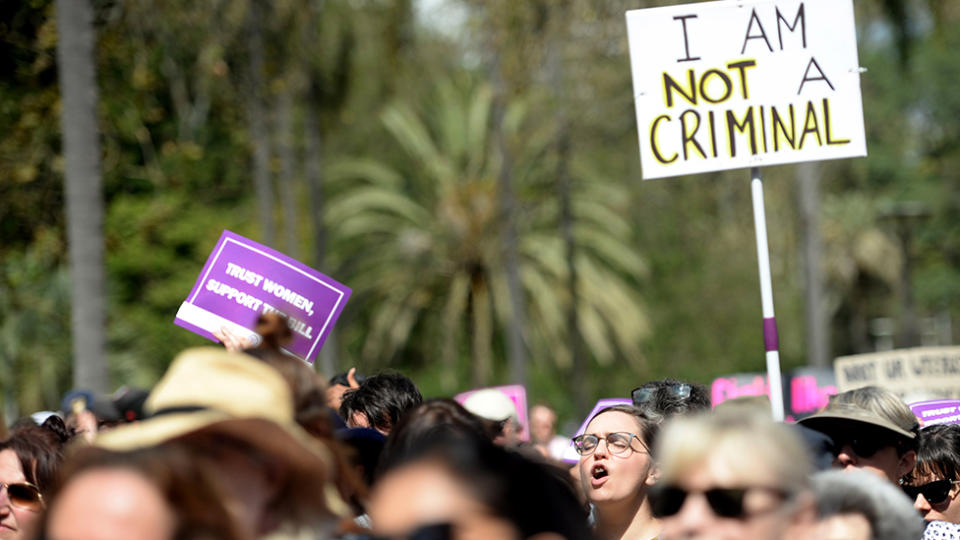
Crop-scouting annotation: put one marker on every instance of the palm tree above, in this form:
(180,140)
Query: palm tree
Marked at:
(863,265)
(421,243)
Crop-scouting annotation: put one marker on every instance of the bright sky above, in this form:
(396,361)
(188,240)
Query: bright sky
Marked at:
(443,16)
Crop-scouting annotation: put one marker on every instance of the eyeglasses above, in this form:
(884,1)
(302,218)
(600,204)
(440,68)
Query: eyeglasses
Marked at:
(618,443)
(934,492)
(725,502)
(646,392)
(25,495)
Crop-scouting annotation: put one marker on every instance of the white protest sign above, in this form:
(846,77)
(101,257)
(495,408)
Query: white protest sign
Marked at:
(934,371)
(736,84)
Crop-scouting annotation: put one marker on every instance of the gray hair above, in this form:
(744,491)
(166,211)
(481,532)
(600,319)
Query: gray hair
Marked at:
(890,513)
(880,402)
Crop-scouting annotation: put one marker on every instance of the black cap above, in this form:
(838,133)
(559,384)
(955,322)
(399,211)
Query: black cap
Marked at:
(129,403)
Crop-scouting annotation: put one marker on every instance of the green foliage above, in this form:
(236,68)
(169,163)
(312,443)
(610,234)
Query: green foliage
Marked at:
(424,250)
(667,273)
(35,326)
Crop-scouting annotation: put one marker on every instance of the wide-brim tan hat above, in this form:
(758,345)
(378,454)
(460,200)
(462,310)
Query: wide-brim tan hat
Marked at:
(212,391)
(836,416)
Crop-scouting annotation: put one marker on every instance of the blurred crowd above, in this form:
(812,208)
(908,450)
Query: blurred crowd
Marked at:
(241,443)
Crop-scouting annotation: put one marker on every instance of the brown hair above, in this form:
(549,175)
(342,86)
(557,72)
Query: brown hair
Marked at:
(186,487)
(40,450)
(308,388)
(310,410)
(649,428)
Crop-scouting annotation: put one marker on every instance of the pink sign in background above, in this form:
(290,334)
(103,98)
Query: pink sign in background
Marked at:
(806,390)
(517,394)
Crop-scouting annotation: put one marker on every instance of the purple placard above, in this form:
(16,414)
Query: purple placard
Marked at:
(517,394)
(941,411)
(570,455)
(242,279)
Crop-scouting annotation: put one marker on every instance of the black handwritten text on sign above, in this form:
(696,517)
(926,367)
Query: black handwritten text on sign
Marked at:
(726,85)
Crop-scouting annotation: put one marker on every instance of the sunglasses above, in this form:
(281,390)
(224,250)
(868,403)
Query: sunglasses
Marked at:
(437,531)
(724,502)
(864,445)
(643,394)
(618,443)
(935,492)
(25,495)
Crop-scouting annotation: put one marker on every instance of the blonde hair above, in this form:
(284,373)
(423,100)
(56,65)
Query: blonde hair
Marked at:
(749,445)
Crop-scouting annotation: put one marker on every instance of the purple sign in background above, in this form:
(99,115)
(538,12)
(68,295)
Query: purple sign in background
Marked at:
(570,454)
(242,279)
(941,411)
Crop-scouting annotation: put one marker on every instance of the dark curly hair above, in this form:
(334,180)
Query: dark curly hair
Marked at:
(383,399)
(667,398)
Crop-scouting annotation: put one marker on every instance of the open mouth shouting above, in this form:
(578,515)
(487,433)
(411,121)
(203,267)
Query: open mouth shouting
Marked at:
(598,475)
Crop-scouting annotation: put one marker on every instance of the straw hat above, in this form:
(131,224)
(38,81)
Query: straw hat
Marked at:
(210,390)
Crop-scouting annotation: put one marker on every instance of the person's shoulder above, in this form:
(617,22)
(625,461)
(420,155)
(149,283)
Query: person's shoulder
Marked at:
(941,530)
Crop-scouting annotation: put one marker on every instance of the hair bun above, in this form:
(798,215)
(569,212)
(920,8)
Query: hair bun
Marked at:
(274,329)
(55,425)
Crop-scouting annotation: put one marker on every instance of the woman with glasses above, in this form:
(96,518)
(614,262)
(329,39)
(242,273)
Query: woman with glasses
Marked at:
(934,484)
(29,460)
(732,475)
(617,470)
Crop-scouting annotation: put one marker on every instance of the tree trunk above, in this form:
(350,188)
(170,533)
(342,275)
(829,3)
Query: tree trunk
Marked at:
(909,331)
(481,316)
(581,390)
(818,335)
(516,352)
(256,116)
(288,180)
(83,190)
(313,173)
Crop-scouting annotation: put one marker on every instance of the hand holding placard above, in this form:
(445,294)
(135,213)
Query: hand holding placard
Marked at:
(233,342)
(242,279)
